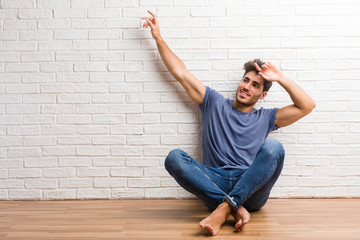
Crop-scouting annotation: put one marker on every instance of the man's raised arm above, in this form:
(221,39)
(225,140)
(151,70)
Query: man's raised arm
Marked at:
(194,88)
(302,102)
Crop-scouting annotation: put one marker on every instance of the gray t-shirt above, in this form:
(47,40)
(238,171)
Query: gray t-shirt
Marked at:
(231,138)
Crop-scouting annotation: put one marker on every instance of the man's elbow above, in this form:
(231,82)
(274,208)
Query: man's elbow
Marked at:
(310,107)
(178,74)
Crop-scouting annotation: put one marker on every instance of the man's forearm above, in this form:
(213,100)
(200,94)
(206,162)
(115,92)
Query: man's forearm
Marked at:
(175,66)
(299,97)
(193,87)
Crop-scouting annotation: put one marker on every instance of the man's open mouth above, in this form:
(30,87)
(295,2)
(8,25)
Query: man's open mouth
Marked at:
(244,94)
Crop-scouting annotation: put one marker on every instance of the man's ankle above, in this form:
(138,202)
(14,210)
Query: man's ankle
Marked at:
(225,206)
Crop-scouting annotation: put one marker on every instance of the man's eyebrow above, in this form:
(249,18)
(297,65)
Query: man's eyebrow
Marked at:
(257,83)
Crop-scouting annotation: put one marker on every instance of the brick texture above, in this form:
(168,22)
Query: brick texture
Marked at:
(89,111)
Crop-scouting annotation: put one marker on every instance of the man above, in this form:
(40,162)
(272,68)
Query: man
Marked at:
(240,165)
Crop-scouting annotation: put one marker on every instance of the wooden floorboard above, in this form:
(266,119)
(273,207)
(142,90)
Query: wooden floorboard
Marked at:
(280,219)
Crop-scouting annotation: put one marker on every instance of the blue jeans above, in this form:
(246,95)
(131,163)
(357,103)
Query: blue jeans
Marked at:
(249,187)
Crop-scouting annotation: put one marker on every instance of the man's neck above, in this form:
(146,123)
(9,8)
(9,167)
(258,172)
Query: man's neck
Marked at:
(242,108)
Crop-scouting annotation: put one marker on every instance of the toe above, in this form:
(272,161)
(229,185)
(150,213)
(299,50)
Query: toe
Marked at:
(238,225)
(211,229)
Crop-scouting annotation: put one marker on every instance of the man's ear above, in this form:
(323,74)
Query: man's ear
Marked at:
(263,95)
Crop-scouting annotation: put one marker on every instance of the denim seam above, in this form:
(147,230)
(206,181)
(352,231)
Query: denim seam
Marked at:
(230,180)
(231,201)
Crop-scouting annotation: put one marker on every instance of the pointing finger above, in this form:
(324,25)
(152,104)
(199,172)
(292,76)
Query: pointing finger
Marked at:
(154,16)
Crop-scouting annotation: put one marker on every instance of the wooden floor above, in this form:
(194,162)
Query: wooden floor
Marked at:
(175,219)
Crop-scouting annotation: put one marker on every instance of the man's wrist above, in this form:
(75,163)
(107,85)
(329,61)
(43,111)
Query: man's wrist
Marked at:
(283,79)
(158,38)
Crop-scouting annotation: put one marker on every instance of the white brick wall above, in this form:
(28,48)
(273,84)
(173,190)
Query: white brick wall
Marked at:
(88,110)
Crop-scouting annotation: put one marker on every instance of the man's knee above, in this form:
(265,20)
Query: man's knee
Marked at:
(273,148)
(173,159)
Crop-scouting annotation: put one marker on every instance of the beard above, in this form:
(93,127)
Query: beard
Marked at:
(248,101)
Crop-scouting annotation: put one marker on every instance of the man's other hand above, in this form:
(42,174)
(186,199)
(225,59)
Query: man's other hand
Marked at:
(153,23)
(270,72)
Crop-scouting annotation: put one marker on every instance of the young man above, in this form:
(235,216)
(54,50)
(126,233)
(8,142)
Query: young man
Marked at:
(240,165)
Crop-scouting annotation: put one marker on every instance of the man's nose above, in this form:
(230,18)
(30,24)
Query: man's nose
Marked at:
(247,86)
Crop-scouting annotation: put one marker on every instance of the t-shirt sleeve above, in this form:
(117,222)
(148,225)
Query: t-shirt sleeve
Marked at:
(211,96)
(272,116)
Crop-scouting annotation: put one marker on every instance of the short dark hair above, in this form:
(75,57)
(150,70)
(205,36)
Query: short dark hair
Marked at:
(250,66)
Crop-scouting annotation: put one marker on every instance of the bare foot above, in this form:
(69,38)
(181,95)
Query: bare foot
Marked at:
(242,217)
(213,222)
